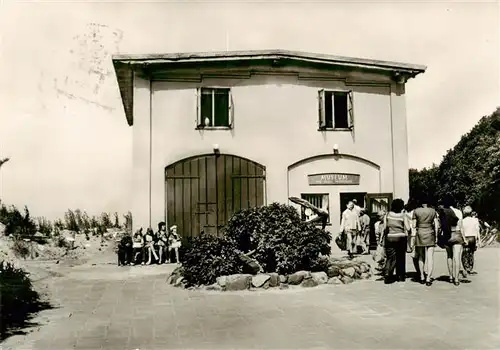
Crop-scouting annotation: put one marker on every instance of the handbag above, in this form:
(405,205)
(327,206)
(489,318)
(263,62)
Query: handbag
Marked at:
(341,241)
(379,255)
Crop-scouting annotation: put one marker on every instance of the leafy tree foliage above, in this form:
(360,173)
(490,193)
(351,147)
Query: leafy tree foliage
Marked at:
(469,173)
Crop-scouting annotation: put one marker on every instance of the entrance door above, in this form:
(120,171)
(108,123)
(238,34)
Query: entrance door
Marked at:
(203,192)
(347,197)
(376,202)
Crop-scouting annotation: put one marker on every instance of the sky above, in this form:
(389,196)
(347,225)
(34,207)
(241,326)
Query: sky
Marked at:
(61,118)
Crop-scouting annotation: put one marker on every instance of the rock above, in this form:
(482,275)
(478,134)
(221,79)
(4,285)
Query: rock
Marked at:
(57,262)
(284,286)
(335,280)
(259,280)
(221,281)
(274,279)
(364,267)
(266,285)
(214,286)
(283,279)
(179,281)
(298,277)
(179,271)
(357,269)
(310,282)
(238,282)
(320,277)
(346,279)
(365,275)
(349,271)
(333,271)
(250,265)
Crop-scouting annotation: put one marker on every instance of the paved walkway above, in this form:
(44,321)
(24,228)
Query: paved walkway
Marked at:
(106,307)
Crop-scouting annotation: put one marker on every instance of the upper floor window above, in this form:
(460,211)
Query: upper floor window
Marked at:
(214,108)
(335,110)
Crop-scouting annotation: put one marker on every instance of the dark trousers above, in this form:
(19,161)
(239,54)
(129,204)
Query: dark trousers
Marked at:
(468,254)
(124,256)
(395,252)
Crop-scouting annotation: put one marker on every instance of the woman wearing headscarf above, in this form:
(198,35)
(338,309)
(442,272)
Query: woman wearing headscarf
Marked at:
(472,230)
(396,228)
(426,224)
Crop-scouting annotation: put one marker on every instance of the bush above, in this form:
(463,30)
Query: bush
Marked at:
(18,299)
(209,257)
(282,242)
(21,248)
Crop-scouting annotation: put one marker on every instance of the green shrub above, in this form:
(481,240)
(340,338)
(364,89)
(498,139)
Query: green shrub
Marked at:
(18,300)
(282,241)
(209,257)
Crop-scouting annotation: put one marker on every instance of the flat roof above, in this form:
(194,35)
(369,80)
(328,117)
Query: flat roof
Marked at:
(124,63)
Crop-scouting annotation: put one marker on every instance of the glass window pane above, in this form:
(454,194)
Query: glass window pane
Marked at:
(340,104)
(206,106)
(221,103)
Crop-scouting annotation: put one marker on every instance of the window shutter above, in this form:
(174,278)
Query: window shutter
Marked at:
(321,109)
(231,108)
(199,122)
(350,110)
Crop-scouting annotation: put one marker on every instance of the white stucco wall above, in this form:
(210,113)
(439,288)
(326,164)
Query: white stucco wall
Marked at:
(275,124)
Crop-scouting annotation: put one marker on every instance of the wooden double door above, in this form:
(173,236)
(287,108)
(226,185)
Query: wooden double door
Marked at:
(203,192)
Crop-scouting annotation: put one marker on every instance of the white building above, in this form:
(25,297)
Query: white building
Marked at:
(216,132)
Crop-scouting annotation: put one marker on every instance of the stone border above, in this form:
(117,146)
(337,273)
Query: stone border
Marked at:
(340,271)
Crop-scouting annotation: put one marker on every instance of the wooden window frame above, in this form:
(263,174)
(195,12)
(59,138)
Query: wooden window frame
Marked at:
(200,123)
(322,110)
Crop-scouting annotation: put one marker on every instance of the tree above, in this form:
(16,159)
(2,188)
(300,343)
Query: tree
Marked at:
(70,221)
(105,220)
(469,172)
(94,223)
(128,222)
(44,226)
(86,221)
(117,221)
(79,219)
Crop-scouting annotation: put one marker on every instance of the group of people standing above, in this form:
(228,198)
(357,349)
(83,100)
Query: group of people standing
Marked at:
(404,229)
(355,224)
(149,247)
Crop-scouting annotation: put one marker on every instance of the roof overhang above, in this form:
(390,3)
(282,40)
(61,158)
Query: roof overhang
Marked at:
(125,65)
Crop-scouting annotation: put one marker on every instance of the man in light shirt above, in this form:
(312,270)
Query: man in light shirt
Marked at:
(357,208)
(350,226)
(472,229)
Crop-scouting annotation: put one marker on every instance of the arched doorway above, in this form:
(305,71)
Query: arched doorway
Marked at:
(203,192)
